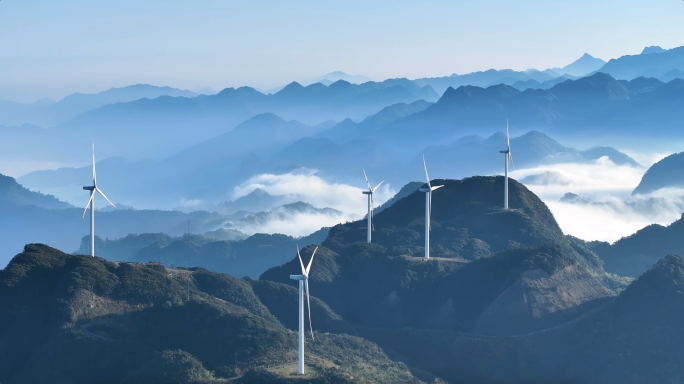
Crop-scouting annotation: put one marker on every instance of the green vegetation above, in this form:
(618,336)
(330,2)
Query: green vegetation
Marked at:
(635,254)
(467,221)
(80,319)
(522,305)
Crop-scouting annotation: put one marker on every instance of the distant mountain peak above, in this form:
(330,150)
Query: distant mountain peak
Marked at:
(339,75)
(653,49)
(583,66)
(292,86)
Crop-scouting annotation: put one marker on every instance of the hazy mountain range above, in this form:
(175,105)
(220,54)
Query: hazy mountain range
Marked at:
(653,63)
(174,120)
(174,123)
(29,216)
(268,144)
(47,113)
(248,256)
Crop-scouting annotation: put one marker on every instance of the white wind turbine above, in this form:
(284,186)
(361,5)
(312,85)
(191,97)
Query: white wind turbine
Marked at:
(370,193)
(91,204)
(428,209)
(303,284)
(508,157)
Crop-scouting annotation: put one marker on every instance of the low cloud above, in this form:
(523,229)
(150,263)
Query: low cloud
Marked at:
(306,186)
(296,225)
(608,211)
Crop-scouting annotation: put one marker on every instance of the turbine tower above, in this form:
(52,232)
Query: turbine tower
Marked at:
(91,204)
(370,192)
(428,209)
(303,284)
(507,157)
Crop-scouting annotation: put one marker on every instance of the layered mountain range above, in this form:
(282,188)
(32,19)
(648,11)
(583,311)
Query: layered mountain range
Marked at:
(267,144)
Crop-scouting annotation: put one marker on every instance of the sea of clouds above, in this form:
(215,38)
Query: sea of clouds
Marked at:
(607,211)
(306,186)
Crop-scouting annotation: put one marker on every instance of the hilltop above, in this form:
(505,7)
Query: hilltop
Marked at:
(468,221)
(476,246)
(88,320)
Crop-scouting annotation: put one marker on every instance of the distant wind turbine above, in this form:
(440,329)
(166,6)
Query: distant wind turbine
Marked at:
(91,204)
(370,193)
(303,283)
(508,157)
(428,209)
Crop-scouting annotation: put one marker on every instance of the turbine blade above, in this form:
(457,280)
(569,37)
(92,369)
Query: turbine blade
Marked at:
(367,182)
(300,261)
(103,195)
(426,174)
(308,267)
(378,186)
(92,194)
(308,305)
(508,136)
(94,175)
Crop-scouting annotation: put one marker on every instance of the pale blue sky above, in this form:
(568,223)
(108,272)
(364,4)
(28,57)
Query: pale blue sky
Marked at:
(52,48)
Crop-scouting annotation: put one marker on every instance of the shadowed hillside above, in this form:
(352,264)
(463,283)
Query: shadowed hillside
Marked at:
(633,339)
(468,221)
(633,255)
(666,173)
(87,320)
(491,271)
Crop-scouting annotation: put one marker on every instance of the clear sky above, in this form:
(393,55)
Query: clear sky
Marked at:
(51,48)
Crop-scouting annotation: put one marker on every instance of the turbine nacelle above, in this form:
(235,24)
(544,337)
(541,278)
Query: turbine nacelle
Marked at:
(370,193)
(91,205)
(94,188)
(508,157)
(297,277)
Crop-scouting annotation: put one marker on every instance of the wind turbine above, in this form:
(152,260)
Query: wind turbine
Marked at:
(370,192)
(508,157)
(91,204)
(428,209)
(303,283)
